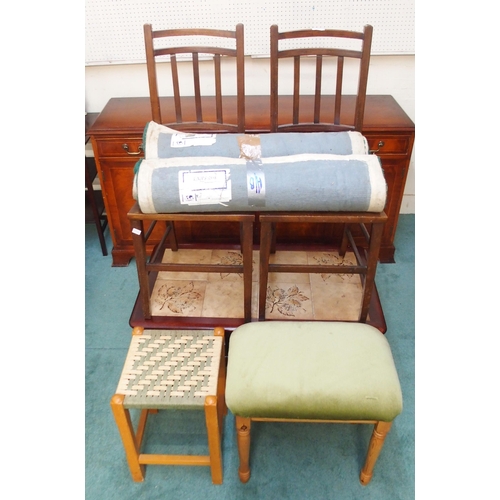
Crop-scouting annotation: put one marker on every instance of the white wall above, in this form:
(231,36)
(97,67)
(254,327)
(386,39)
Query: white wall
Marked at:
(394,75)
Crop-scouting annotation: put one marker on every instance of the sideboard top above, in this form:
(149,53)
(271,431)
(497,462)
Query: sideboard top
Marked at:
(129,115)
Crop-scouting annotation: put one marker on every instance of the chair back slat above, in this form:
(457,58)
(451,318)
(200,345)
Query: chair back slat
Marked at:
(321,51)
(218,88)
(296,89)
(338,90)
(197,89)
(317,90)
(176,91)
(212,119)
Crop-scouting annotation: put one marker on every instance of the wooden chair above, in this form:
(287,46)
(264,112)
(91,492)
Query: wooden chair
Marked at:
(215,119)
(195,113)
(318,109)
(339,117)
(172,370)
(148,267)
(314,372)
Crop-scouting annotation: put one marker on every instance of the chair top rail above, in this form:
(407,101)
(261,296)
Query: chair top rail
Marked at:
(196,32)
(315,33)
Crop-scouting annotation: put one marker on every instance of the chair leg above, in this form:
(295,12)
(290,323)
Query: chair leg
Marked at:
(221,384)
(243,427)
(345,241)
(172,237)
(124,423)
(214,438)
(97,217)
(247,247)
(380,431)
(141,259)
(371,266)
(266,238)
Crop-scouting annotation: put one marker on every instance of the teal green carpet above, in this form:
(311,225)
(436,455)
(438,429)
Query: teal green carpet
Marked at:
(289,461)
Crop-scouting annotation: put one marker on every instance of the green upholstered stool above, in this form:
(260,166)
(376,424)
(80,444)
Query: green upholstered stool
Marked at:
(314,372)
(172,369)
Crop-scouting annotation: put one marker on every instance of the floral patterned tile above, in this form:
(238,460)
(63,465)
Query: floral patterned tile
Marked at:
(288,257)
(334,301)
(224,257)
(289,295)
(289,301)
(333,258)
(223,299)
(255,266)
(255,301)
(183,256)
(178,298)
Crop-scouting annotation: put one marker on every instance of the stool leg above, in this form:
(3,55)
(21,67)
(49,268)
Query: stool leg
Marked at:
(380,430)
(124,423)
(243,426)
(214,438)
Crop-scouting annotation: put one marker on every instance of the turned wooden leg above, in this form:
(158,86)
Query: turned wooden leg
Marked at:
(380,430)
(214,438)
(124,423)
(243,426)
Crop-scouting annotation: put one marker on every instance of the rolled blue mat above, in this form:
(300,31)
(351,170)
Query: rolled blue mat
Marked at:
(304,182)
(160,141)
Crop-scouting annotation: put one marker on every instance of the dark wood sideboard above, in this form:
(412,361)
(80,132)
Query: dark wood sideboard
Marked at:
(116,137)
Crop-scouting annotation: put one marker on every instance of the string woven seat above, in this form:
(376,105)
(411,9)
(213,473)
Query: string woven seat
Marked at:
(172,369)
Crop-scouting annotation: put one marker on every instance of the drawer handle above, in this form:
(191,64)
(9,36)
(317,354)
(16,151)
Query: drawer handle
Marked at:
(380,144)
(125,147)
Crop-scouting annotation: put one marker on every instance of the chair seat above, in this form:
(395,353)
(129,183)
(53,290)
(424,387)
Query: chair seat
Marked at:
(174,369)
(312,370)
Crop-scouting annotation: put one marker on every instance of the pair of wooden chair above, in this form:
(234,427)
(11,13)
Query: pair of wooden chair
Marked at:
(223,114)
(218,113)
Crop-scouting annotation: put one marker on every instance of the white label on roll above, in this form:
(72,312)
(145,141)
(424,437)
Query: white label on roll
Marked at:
(204,187)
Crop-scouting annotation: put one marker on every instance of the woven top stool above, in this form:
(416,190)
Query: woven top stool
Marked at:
(312,372)
(172,369)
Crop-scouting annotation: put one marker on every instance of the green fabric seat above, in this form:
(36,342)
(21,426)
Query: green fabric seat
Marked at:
(312,370)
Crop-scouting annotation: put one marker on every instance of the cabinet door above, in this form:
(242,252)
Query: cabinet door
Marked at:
(395,172)
(117,175)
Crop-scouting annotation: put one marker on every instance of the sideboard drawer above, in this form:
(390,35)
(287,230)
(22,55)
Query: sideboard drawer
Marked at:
(390,145)
(124,147)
